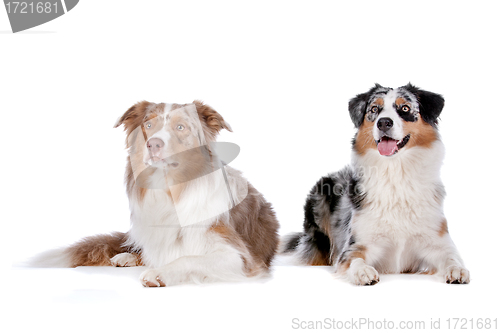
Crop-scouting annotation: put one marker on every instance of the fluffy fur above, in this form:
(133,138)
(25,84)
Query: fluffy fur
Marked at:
(193,218)
(384,212)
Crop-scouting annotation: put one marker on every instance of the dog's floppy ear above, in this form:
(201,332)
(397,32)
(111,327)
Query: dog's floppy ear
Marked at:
(133,117)
(358,104)
(430,104)
(211,119)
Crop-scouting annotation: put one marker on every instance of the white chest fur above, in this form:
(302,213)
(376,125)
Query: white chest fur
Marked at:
(165,230)
(403,204)
(157,232)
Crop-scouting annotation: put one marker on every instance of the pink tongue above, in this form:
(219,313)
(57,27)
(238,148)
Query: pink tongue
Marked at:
(387,147)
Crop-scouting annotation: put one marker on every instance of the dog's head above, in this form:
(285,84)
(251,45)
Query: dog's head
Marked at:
(392,120)
(171,137)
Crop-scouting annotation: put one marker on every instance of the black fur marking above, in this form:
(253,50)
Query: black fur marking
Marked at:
(316,244)
(404,142)
(309,221)
(326,187)
(322,242)
(406,96)
(430,104)
(292,243)
(322,193)
(315,238)
(371,116)
(353,141)
(347,221)
(406,116)
(358,104)
(324,198)
(356,193)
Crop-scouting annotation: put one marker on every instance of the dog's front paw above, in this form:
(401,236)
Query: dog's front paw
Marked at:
(124,260)
(457,275)
(152,278)
(361,274)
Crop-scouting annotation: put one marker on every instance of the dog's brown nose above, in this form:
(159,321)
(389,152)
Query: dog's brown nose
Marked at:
(155,146)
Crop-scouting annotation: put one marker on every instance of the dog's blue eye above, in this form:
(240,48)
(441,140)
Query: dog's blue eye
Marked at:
(180,127)
(148,125)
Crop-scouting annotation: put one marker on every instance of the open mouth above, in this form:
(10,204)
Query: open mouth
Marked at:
(388,146)
(165,162)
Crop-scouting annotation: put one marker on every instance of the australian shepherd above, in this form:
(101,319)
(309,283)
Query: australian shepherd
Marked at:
(193,218)
(384,212)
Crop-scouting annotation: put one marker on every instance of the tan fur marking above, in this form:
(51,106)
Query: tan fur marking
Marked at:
(252,230)
(422,134)
(194,157)
(379,102)
(358,251)
(364,138)
(142,193)
(444,228)
(211,120)
(401,101)
(133,119)
(326,222)
(222,230)
(318,260)
(177,106)
(175,192)
(255,221)
(428,272)
(137,260)
(98,250)
(231,237)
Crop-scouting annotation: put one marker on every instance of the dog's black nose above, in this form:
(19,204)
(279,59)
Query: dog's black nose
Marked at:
(385,124)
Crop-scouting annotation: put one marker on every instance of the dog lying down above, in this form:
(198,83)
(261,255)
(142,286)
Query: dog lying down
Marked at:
(193,218)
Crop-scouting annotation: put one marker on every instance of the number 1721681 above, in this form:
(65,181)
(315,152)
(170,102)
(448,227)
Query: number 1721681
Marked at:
(472,323)
(14,7)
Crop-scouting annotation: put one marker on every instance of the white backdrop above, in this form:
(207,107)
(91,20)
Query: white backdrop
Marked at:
(281,73)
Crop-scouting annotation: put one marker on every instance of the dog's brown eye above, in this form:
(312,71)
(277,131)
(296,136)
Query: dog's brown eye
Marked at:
(405,108)
(374,109)
(180,127)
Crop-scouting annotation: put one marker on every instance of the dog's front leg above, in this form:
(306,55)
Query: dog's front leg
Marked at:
(443,256)
(352,263)
(359,273)
(216,266)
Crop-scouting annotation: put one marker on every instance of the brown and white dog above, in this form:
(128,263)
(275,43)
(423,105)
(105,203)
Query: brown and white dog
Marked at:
(193,218)
(384,212)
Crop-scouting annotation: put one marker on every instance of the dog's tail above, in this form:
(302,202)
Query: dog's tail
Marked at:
(90,251)
(289,243)
(314,246)
(307,249)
